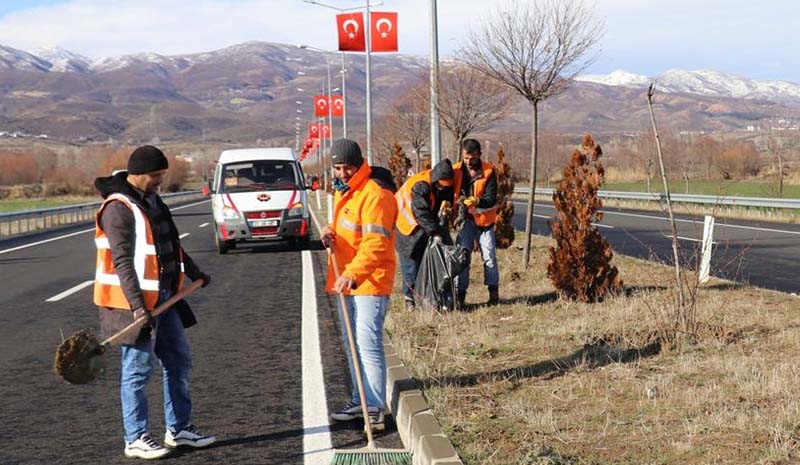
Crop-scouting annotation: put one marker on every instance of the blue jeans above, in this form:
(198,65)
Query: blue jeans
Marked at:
(409,268)
(172,350)
(367,313)
(469,233)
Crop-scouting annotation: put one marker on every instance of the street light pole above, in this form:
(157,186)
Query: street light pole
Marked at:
(344,100)
(436,144)
(368,36)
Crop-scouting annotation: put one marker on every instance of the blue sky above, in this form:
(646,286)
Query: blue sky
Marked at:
(743,37)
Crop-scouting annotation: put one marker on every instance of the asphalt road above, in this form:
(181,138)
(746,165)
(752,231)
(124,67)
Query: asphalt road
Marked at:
(758,252)
(249,377)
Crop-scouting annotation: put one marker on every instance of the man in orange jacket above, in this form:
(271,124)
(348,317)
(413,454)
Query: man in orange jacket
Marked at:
(476,189)
(362,240)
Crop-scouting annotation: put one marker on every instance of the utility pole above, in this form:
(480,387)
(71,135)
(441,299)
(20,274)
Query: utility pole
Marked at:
(436,144)
(368,36)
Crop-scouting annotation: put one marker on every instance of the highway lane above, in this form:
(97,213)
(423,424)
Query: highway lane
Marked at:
(761,253)
(248,384)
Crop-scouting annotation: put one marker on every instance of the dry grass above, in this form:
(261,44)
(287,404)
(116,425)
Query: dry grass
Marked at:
(538,380)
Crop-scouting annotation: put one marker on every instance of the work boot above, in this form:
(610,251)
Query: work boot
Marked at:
(462,300)
(494,295)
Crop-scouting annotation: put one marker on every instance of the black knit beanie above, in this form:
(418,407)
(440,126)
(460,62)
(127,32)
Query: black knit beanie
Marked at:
(147,159)
(346,152)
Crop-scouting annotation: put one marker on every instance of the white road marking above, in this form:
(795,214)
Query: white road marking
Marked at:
(317,449)
(593,224)
(70,291)
(45,241)
(203,225)
(32,244)
(688,239)
(316,222)
(183,235)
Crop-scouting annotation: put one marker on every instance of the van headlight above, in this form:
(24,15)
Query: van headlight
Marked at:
(296,210)
(229,213)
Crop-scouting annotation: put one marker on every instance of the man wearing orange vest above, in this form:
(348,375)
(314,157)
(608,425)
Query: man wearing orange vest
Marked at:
(476,189)
(361,239)
(418,204)
(140,263)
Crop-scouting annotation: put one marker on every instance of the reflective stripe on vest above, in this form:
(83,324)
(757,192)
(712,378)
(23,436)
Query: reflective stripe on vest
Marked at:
(365,229)
(107,287)
(406,222)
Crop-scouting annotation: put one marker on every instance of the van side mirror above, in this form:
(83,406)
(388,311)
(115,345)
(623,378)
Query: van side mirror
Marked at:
(207,190)
(314,183)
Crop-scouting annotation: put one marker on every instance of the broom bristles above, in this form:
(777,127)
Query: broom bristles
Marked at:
(371,457)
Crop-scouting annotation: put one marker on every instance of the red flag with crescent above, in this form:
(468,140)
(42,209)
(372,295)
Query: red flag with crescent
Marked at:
(383,32)
(337,105)
(321,105)
(351,32)
(313,130)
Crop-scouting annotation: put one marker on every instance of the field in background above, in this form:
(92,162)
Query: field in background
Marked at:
(539,380)
(35,204)
(722,188)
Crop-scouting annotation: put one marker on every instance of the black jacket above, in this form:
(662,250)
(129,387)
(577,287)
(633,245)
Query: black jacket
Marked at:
(428,219)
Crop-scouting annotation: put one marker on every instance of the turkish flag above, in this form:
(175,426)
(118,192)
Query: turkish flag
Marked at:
(351,32)
(321,105)
(313,130)
(337,105)
(384,32)
(326,130)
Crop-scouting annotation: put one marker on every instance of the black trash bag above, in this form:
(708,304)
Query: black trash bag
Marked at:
(435,286)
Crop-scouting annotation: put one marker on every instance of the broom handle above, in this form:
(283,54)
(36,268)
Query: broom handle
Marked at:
(354,354)
(137,323)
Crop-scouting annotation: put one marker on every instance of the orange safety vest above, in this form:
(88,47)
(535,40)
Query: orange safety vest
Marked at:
(107,288)
(363,221)
(406,221)
(484,217)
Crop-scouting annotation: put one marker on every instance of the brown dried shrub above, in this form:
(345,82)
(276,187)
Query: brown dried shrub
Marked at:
(503,229)
(580,264)
(399,164)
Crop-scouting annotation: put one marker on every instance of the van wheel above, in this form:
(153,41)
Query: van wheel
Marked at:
(222,246)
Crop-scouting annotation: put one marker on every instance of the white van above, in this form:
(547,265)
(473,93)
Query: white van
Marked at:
(258,195)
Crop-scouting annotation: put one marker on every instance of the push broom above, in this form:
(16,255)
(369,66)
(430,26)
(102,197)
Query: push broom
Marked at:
(78,358)
(371,454)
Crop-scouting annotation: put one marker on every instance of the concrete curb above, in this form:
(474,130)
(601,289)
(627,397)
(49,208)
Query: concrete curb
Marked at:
(418,428)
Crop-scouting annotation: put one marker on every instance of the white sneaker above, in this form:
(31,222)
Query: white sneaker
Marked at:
(145,448)
(376,420)
(188,436)
(351,411)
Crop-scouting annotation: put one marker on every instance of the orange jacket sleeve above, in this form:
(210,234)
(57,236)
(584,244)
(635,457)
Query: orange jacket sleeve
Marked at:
(376,249)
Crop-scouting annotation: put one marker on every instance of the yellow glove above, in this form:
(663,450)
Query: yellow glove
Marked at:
(471,202)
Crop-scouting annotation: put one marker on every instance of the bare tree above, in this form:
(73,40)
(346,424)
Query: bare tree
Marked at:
(534,47)
(411,119)
(774,147)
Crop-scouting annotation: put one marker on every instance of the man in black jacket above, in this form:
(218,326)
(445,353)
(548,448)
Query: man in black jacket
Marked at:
(140,263)
(419,201)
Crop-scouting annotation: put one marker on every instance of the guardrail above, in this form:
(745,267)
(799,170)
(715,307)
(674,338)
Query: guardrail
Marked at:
(15,223)
(758,202)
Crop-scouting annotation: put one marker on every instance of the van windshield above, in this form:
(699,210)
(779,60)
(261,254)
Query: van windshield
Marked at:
(261,175)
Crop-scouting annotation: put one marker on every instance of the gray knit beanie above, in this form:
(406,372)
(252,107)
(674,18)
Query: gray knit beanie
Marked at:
(346,152)
(147,159)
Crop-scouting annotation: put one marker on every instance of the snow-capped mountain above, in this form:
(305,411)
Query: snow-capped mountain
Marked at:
(704,82)
(13,59)
(62,60)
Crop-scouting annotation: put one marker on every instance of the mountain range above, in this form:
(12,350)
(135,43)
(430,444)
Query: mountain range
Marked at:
(247,93)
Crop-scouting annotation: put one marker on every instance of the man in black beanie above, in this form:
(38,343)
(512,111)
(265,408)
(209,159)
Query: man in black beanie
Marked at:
(140,263)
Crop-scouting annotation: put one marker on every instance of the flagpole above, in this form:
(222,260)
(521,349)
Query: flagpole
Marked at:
(344,101)
(368,28)
(436,145)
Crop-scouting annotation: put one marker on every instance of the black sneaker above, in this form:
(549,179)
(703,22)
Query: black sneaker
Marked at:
(377,420)
(145,448)
(410,304)
(188,436)
(351,411)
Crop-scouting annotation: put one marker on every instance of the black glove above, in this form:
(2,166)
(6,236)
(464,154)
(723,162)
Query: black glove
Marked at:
(206,279)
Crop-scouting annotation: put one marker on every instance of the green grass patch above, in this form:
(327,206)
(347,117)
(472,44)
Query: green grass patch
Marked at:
(7,206)
(725,188)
